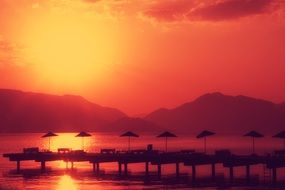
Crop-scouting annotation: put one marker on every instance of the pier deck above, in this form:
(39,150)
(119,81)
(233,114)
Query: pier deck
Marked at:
(193,159)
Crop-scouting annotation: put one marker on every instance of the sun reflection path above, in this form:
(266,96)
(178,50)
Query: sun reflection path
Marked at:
(68,140)
(66,183)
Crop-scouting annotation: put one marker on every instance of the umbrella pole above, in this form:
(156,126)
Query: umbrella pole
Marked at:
(253,149)
(165,144)
(205,144)
(82,143)
(49,143)
(129,143)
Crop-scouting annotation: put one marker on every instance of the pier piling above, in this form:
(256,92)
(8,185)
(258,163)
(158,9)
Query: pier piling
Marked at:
(43,166)
(18,166)
(126,169)
(231,174)
(97,168)
(94,167)
(274,175)
(248,173)
(213,171)
(147,169)
(193,173)
(177,170)
(159,171)
(120,168)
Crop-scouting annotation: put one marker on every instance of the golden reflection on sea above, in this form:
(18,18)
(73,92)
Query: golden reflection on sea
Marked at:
(68,140)
(66,183)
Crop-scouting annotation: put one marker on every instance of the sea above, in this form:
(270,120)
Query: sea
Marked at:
(59,175)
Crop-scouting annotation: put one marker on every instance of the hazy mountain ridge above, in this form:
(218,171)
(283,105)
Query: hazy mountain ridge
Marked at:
(215,111)
(135,124)
(37,112)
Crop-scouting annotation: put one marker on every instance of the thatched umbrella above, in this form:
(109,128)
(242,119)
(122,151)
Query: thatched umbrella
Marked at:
(83,134)
(280,135)
(204,134)
(129,134)
(166,135)
(49,135)
(254,135)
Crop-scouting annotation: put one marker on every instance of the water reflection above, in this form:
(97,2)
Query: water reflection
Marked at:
(66,182)
(68,140)
(82,176)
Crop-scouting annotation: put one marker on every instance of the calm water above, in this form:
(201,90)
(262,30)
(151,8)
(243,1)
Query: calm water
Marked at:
(60,178)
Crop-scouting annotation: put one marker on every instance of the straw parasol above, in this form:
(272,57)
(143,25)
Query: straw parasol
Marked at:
(166,135)
(49,135)
(83,134)
(129,134)
(204,134)
(254,135)
(280,135)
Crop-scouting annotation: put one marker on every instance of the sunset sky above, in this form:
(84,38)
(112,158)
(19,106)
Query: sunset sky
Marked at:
(139,55)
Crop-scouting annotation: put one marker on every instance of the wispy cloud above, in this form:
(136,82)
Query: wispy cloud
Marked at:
(214,10)
(170,10)
(225,10)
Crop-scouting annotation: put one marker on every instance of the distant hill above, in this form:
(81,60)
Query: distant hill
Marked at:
(36,112)
(222,113)
(135,124)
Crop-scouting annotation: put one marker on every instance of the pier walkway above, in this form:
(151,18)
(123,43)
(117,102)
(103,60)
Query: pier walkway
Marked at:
(185,157)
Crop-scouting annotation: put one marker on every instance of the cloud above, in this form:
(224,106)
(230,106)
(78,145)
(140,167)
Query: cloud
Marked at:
(170,10)
(214,10)
(232,9)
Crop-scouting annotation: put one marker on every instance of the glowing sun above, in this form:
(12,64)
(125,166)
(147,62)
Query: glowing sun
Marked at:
(70,51)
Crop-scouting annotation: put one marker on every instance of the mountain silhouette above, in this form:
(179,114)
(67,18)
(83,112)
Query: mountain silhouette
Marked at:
(36,112)
(222,113)
(134,124)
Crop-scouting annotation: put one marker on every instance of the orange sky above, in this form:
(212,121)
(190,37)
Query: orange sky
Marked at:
(138,55)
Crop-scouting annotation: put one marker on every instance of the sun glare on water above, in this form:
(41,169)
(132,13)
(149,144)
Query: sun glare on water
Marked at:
(68,140)
(66,183)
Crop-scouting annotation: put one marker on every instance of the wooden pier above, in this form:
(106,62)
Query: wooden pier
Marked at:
(151,157)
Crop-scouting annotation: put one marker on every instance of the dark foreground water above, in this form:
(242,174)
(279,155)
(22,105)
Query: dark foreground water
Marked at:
(59,178)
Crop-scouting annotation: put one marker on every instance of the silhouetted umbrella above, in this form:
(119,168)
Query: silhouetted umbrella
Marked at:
(254,135)
(49,135)
(166,134)
(204,134)
(129,134)
(280,135)
(83,134)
